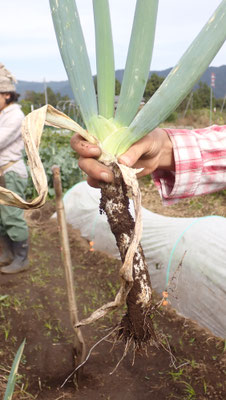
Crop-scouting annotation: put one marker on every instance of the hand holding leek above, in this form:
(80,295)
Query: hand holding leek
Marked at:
(154,151)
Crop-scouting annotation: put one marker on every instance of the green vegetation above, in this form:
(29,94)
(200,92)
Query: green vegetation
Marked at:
(37,99)
(153,84)
(13,374)
(198,99)
(55,150)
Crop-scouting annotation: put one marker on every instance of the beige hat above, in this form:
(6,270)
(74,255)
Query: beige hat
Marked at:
(7,80)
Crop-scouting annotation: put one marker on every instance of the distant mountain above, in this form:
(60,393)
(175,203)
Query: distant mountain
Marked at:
(64,88)
(220,78)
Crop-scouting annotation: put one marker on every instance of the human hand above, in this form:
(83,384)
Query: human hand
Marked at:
(153,151)
(89,153)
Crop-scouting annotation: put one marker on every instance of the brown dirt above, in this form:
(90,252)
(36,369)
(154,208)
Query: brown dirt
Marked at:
(37,308)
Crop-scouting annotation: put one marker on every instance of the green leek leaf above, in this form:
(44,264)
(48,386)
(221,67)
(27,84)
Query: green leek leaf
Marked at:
(138,61)
(105,59)
(74,55)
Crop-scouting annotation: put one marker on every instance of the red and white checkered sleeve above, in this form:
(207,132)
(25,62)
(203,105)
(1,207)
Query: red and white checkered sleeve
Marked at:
(200,164)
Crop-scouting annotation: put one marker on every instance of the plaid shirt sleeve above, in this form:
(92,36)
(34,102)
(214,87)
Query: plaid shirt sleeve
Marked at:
(200,164)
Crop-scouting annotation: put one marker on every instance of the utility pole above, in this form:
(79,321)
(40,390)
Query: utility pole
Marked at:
(223,103)
(45,91)
(189,104)
(212,85)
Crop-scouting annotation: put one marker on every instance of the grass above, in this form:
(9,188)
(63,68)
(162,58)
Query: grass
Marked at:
(176,375)
(189,391)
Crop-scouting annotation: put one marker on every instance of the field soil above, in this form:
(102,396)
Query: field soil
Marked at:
(34,305)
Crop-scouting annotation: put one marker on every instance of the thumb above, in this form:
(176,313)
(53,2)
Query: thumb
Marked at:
(132,155)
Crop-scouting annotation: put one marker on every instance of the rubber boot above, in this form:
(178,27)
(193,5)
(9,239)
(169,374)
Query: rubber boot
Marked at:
(20,260)
(6,255)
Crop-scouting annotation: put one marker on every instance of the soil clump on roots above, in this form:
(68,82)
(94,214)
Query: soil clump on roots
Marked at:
(136,325)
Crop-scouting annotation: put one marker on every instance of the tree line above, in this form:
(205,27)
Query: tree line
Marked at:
(197,99)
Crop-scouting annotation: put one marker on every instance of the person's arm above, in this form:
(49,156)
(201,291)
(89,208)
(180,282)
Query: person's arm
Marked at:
(200,164)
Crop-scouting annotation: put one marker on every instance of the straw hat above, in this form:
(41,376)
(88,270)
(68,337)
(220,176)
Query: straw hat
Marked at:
(7,80)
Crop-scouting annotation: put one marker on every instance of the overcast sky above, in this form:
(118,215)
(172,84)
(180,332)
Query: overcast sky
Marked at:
(29,49)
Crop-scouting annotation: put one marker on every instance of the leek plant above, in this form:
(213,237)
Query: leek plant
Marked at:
(116,130)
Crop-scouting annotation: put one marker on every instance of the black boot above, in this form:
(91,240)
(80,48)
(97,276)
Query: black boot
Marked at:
(6,254)
(20,260)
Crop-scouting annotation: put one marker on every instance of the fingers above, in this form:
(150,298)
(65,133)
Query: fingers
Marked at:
(88,152)
(84,148)
(95,170)
(93,182)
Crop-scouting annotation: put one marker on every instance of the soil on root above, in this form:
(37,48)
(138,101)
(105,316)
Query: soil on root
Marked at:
(34,305)
(136,326)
